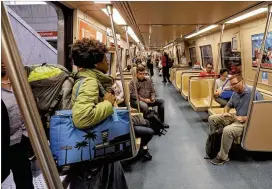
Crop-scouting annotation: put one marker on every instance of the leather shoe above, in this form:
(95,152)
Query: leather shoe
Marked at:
(165,126)
(146,155)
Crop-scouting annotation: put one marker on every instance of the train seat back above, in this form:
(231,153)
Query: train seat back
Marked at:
(185,83)
(200,94)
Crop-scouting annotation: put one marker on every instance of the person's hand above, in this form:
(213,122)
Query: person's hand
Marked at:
(148,101)
(227,115)
(217,93)
(109,97)
(241,119)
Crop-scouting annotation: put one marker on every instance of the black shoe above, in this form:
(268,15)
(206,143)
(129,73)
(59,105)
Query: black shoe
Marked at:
(146,155)
(166,126)
(164,81)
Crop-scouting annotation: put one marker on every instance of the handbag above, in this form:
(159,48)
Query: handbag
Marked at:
(226,94)
(108,141)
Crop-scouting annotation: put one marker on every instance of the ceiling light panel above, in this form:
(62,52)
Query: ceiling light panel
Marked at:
(117,18)
(202,31)
(247,15)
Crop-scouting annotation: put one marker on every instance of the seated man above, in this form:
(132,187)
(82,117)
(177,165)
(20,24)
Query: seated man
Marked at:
(208,72)
(233,124)
(146,94)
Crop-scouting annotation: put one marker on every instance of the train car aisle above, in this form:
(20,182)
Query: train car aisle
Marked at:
(178,157)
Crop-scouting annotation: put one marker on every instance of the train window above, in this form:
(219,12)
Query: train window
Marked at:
(256,41)
(206,55)
(109,60)
(229,59)
(193,55)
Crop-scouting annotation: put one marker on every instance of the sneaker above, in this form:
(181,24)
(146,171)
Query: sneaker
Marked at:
(164,81)
(218,161)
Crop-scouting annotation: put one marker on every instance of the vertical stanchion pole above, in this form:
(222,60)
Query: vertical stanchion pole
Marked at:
(27,104)
(217,63)
(259,62)
(110,12)
(133,76)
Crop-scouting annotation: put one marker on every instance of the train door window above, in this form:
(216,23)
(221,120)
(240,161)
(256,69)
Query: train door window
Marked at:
(31,22)
(117,63)
(177,53)
(230,60)
(109,61)
(206,55)
(127,58)
(192,52)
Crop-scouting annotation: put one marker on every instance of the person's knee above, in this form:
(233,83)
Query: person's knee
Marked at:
(211,119)
(150,132)
(160,102)
(229,132)
(144,107)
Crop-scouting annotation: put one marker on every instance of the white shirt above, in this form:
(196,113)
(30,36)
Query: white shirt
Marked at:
(219,84)
(118,89)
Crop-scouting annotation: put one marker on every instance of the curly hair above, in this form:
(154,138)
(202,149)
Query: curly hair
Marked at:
(87,52)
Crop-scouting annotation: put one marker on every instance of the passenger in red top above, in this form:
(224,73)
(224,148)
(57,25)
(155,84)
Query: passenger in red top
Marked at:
(208,72)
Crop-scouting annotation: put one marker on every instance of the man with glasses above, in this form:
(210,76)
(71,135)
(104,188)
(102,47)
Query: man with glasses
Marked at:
(208,72)
(231,124)
(146,93)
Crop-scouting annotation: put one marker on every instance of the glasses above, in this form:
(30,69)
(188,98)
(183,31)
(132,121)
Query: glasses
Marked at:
(141,73)
(233,84)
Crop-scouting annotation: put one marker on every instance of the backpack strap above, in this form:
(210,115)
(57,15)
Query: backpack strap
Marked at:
(81,81)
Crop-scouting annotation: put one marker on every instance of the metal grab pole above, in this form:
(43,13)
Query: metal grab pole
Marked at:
(217,63)
(133,76)
(27,104)
(110,12)
(259,62)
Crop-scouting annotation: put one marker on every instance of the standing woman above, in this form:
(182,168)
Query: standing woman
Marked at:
(18,161)
(93,104)
(165,67)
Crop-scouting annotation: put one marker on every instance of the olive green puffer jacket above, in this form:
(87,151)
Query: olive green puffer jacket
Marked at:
(88,108)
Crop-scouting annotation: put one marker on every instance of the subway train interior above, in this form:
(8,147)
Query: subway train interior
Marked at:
(183,101)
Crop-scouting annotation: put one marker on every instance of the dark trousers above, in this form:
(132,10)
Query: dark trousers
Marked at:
(145,133)
(221,101)
(165,73)
(20,165)
(150,67)
(144,107)
(107,176)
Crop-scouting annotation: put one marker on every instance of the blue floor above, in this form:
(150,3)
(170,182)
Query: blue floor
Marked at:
(178,157)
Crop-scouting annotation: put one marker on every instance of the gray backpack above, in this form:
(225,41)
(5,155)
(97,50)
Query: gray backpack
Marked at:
(53,93)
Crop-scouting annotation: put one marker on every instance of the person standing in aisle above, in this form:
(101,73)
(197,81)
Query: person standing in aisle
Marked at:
(150,65)
(165,67)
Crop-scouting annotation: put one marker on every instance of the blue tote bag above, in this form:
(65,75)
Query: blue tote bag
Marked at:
(110,140)
(226,94)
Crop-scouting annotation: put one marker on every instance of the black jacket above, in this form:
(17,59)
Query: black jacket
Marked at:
(5,139)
